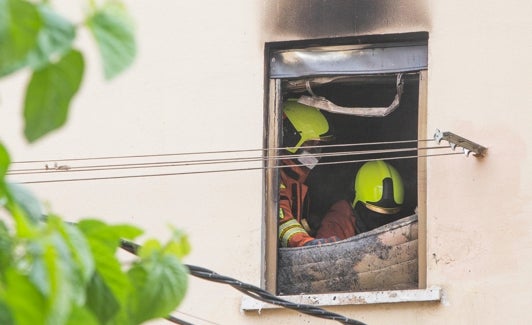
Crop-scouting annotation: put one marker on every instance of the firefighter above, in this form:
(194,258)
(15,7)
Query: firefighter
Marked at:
(379,190)
(304,128)
(379,197)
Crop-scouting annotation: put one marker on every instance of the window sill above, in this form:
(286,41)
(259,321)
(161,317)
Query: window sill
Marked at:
(353,298)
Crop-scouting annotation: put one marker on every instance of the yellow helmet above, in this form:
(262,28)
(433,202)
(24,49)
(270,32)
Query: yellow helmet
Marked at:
(302,123)
(379,187)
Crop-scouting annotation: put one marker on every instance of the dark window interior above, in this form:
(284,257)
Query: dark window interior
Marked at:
(331,182)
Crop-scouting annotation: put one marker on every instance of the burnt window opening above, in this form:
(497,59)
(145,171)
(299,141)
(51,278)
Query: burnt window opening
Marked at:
(332,179)
(365,262)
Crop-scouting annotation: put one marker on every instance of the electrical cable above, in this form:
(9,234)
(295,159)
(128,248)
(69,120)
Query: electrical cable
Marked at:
(203,273)
(183,163)
(226,170)
(252,291)
(217,152)
(176,320)
(196,317)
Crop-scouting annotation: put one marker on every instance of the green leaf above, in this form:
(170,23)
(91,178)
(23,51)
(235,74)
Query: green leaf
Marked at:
(110,270)
(150,247)
(81,315)
(22,201)
(160,286)
(54,274)
(104,241)
(112,29)
(159,278)
(7,247)
(18,292)
(24,227)
(127,231)
(49,94)
(38,272)
(58,265)
(101,300)
(108,234)
(5,315)
(179,245)
(20,23)
(4,160)
(99,232)
(54,39)
(79,249)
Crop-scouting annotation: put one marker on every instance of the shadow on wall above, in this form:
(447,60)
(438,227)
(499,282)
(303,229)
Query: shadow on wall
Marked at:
(334,18)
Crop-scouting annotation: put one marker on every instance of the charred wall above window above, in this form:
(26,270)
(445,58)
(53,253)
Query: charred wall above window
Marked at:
(334,18)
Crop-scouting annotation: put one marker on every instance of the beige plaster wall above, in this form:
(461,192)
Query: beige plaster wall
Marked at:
(197,85)
(479,240)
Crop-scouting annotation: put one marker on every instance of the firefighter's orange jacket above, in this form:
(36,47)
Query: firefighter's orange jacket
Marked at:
(294,207)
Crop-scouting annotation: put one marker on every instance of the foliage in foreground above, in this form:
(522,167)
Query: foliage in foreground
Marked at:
(53,272)
(35,37)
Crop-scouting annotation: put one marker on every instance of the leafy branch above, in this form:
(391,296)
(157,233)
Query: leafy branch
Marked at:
(53,272)
(34,36)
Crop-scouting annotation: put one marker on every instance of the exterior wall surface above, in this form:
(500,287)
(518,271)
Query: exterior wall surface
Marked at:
(198,85)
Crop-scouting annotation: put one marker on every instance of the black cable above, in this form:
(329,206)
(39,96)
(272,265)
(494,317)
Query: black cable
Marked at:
(265,296)
(253,291)
(176,320)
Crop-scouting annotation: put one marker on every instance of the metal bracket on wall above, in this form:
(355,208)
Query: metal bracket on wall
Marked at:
(458,141)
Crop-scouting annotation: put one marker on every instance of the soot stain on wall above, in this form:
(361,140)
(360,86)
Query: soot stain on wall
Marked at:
(334,18)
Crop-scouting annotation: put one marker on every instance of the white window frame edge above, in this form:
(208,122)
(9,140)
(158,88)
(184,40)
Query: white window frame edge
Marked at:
(424,294)
(434,293)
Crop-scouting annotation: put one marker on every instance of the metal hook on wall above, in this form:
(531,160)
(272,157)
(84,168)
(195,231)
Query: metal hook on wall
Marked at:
(455,140)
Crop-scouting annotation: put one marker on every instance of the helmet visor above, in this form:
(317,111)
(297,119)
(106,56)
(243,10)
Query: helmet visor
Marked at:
(291,136)
(367,219)
(386,204)
(382,210)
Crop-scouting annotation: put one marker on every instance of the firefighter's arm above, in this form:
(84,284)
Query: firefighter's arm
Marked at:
(291,232)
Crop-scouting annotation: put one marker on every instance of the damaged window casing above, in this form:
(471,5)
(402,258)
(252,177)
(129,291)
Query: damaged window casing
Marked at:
(371,92)
(349,60)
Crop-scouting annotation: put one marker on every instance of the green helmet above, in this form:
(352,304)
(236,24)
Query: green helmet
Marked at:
(302,123)
(379,187)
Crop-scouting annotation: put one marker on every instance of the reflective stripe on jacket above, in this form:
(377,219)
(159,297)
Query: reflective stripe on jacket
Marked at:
(293,205)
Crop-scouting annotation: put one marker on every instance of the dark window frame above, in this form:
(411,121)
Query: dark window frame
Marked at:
(272,104)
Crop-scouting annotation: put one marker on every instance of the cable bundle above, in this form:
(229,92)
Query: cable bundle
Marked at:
(251,291)
(267,159)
